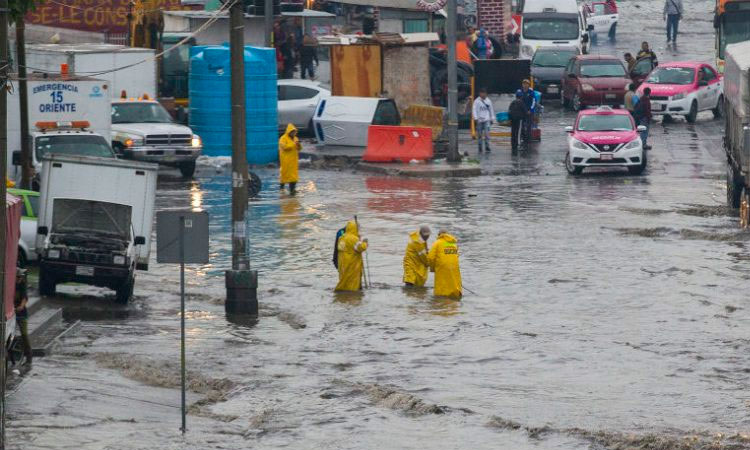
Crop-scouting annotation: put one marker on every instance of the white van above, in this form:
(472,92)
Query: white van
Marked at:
(546,23)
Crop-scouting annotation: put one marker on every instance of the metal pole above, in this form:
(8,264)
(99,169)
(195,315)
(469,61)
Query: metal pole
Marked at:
(450,36)
(23,100)
(131,4)
(182,319)
(241,282)
(3,216)
(268,24)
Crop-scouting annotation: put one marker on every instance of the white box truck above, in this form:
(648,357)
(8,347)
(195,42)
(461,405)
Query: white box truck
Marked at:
(54,99)
(95,220)
(137,77)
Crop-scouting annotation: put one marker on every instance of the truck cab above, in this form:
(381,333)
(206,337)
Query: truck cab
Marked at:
(62,138)
(546,23)
(142,130)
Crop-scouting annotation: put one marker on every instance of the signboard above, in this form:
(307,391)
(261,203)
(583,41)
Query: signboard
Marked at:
(190,228)
(101,16)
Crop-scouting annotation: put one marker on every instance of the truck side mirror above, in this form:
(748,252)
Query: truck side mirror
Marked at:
(16,159)
(140,240)
(42,231)
(590,27)
(585,38)
(716,21)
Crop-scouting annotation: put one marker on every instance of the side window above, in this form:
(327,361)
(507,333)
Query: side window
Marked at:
(386,114)
(33,204)
(608,9)
(708,74)
(282,92)
(299,93)
(599,9)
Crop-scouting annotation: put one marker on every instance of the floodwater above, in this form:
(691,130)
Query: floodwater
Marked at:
(603,311)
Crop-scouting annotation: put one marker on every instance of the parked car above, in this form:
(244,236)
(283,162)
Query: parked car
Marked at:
(548,67)
(29,209)
(641,70)
(603,15)
(685,89)
(297,102)
(605,137)
(592,80)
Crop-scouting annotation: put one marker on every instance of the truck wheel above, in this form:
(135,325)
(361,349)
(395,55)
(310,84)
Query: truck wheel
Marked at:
(734,188)
(46,284)
(719,110)
(124,292)
(744,209)
(254,184)
(187,169)
(613,32)
(693,114)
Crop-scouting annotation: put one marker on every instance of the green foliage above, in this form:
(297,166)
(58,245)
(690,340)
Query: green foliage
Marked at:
(18,8)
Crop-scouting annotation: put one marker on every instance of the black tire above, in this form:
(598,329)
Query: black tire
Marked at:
(613,32)
(573,170)
(719,110)
(125,292)
(734,188)
(47,284)
(23,261)
(576,102)
(693,114)
(254,184)
(637,170)
(187,169)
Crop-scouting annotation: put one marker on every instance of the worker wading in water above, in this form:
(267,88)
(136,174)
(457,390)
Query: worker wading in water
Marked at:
(415,259)
(350,249)
(289,148)
(443,260)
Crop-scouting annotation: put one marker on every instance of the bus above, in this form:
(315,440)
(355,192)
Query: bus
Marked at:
(732,24)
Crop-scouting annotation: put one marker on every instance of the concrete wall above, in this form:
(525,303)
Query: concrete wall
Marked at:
(406,75)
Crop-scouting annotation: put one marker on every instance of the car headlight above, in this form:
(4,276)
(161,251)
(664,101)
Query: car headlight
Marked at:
(119,260)
(196,142)
(53,254)
(133,142)
(527,50)
(575,143)
(587,87)
(678,96)
(633,144)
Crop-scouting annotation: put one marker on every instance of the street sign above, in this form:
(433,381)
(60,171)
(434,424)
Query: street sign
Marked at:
(182,238)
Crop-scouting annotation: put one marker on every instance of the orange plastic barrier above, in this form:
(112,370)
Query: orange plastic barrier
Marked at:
(392,143)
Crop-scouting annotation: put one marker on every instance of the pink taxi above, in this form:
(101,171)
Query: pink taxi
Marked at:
(605,137)
(685,89)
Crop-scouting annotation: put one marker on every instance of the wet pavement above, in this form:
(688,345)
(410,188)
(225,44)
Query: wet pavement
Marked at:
(604,311)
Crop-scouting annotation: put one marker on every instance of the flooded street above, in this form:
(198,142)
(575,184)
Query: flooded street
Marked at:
(602,311)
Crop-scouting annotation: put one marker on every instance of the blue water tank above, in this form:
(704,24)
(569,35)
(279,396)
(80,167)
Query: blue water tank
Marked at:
(210,106)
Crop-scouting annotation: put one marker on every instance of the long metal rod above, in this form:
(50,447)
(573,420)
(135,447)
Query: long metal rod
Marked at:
(3,216)
(450,36)
(182,322)
(23,101)
(239,154)
(268,23)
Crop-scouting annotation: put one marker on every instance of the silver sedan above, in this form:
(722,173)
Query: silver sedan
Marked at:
(297,102)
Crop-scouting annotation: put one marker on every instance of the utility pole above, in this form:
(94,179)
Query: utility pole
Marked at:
(131,5)
(241,282)
(23,100)
(450,36)
(268,22)
(4,12)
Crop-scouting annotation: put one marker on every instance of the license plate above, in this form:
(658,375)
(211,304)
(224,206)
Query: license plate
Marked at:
(610,96)
(553,90)
(86,271)
(606,157)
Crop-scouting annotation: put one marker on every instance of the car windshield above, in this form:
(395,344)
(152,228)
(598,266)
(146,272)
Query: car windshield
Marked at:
(552,58)
(550,29)
(672,75)
(596,69)
(734,28)
(73,144)
(615,122)
(140,113)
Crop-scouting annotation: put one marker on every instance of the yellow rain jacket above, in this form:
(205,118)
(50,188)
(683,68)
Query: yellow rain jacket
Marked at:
(289,148)
(9,183)
(350,259)
(415,260)
(443,259)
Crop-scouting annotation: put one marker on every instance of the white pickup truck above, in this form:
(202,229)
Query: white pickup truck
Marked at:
(142,130)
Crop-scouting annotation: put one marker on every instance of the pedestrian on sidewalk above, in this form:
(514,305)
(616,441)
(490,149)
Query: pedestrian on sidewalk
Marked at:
(308,54)
(289,147)
(646,52)
(631,99)
(484,114)
(630,61)
(517,113)
(643,114)
(22,314)
(672,14)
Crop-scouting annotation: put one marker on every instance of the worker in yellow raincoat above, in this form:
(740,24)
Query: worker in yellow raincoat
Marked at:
(289,148)
(350,249)
(9,183)
(415,259)
(443,259)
